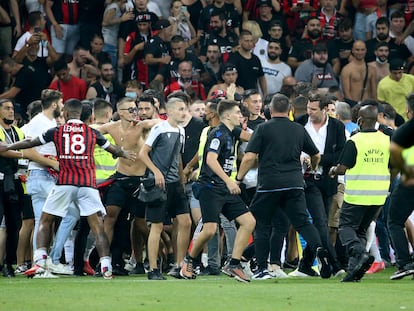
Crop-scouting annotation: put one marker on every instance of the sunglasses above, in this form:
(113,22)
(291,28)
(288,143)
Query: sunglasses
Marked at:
(131,109)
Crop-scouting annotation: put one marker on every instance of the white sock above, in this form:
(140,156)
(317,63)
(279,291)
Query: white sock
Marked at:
(370,236)
(375,252)
(105,263)
(39,257)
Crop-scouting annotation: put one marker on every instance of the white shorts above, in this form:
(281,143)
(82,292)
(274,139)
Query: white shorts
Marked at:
(86,199)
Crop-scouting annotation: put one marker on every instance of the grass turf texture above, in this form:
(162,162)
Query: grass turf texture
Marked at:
(374,292)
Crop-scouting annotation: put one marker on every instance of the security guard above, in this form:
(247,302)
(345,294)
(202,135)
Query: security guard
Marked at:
(365,159)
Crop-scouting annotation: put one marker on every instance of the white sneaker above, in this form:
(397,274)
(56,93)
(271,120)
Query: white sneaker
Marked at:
(46,274)
(297,273)
(262,274)
(58,268)
(278,273)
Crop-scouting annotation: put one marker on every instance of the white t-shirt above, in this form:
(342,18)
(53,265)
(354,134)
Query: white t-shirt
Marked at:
(43,52)
(36,127)
(274,73)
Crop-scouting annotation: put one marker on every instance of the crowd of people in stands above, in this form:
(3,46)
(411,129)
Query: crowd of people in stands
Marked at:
(198,96)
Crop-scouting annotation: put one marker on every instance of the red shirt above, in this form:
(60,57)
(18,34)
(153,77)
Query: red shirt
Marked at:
(74,88)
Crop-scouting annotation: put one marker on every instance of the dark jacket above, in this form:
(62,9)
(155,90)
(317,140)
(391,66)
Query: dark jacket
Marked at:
(335,142)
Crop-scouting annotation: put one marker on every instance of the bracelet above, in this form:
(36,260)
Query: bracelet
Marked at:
(238,179)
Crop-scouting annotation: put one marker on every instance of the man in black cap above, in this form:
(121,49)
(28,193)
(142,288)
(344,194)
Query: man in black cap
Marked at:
(125,28)
(134,48)
(229,85)
(395,87)
(156,51)
(317,70)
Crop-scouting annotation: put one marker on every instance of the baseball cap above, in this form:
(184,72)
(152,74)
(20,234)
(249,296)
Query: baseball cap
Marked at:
(219,94)
(396,64)
(264,2)
(143,17)
(161,24)
(229,68)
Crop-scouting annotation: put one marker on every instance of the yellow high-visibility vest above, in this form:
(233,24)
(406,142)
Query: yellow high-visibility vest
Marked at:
(367,183)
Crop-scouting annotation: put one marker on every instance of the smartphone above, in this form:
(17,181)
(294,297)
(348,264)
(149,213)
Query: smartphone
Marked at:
(183,9)
(37,29)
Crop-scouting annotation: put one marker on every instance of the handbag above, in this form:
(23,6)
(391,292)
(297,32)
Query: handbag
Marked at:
(147,191)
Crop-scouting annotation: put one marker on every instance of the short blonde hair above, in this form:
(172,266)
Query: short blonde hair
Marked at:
(254,28)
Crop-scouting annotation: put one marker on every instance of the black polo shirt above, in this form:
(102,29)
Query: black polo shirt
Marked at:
(279,143)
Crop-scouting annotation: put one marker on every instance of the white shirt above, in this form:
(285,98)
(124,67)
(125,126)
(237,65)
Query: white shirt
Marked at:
(318,137)
(36,127)
(24,38)
(274,73)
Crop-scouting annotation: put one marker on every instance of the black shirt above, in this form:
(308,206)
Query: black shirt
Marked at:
(403,136)
(192,139)
(30,87)
(302,49)
(337,46)
(221,141)
(125,28)
(252,124)
(279,143)
(225,44)
(158,48)
(249,70)
(170,71)
(396,51)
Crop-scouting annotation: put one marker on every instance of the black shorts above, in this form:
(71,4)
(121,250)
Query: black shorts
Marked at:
(214,201)
(27,210)
(120,194)
(176,204)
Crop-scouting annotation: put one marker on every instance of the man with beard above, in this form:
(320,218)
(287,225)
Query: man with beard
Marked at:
(380,64)
(229,85)
(274,69)
(317,70)
(41,180)
(302,49)
(358,79)
(248,65)
(106,87)
(146,108)
(220,35)
(383,35)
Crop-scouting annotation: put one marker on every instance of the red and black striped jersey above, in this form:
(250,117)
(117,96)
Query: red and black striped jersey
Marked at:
(66,11)
(75,143)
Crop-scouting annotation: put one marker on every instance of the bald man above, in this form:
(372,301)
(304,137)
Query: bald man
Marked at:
(359,79)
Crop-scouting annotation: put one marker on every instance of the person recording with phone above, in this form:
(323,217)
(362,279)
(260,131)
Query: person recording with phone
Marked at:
(179,15)
(34,36)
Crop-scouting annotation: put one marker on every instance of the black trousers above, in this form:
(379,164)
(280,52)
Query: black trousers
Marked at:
(353,224)
(11,204)
(318,206)
(401,207)
(290,203)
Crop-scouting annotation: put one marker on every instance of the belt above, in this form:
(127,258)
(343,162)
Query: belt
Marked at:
(16,176)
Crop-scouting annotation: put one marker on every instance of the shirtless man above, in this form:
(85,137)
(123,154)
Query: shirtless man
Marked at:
(382,51)
(229,77)
(128,134)
(353,76)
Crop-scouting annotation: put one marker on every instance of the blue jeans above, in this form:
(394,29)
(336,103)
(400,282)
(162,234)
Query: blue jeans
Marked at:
(39,184)
(113,52)
(360,26)
(65,228)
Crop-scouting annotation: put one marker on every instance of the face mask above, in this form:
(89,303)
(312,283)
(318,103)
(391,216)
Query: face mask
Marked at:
(132,95)
(8,121)
(379,61)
